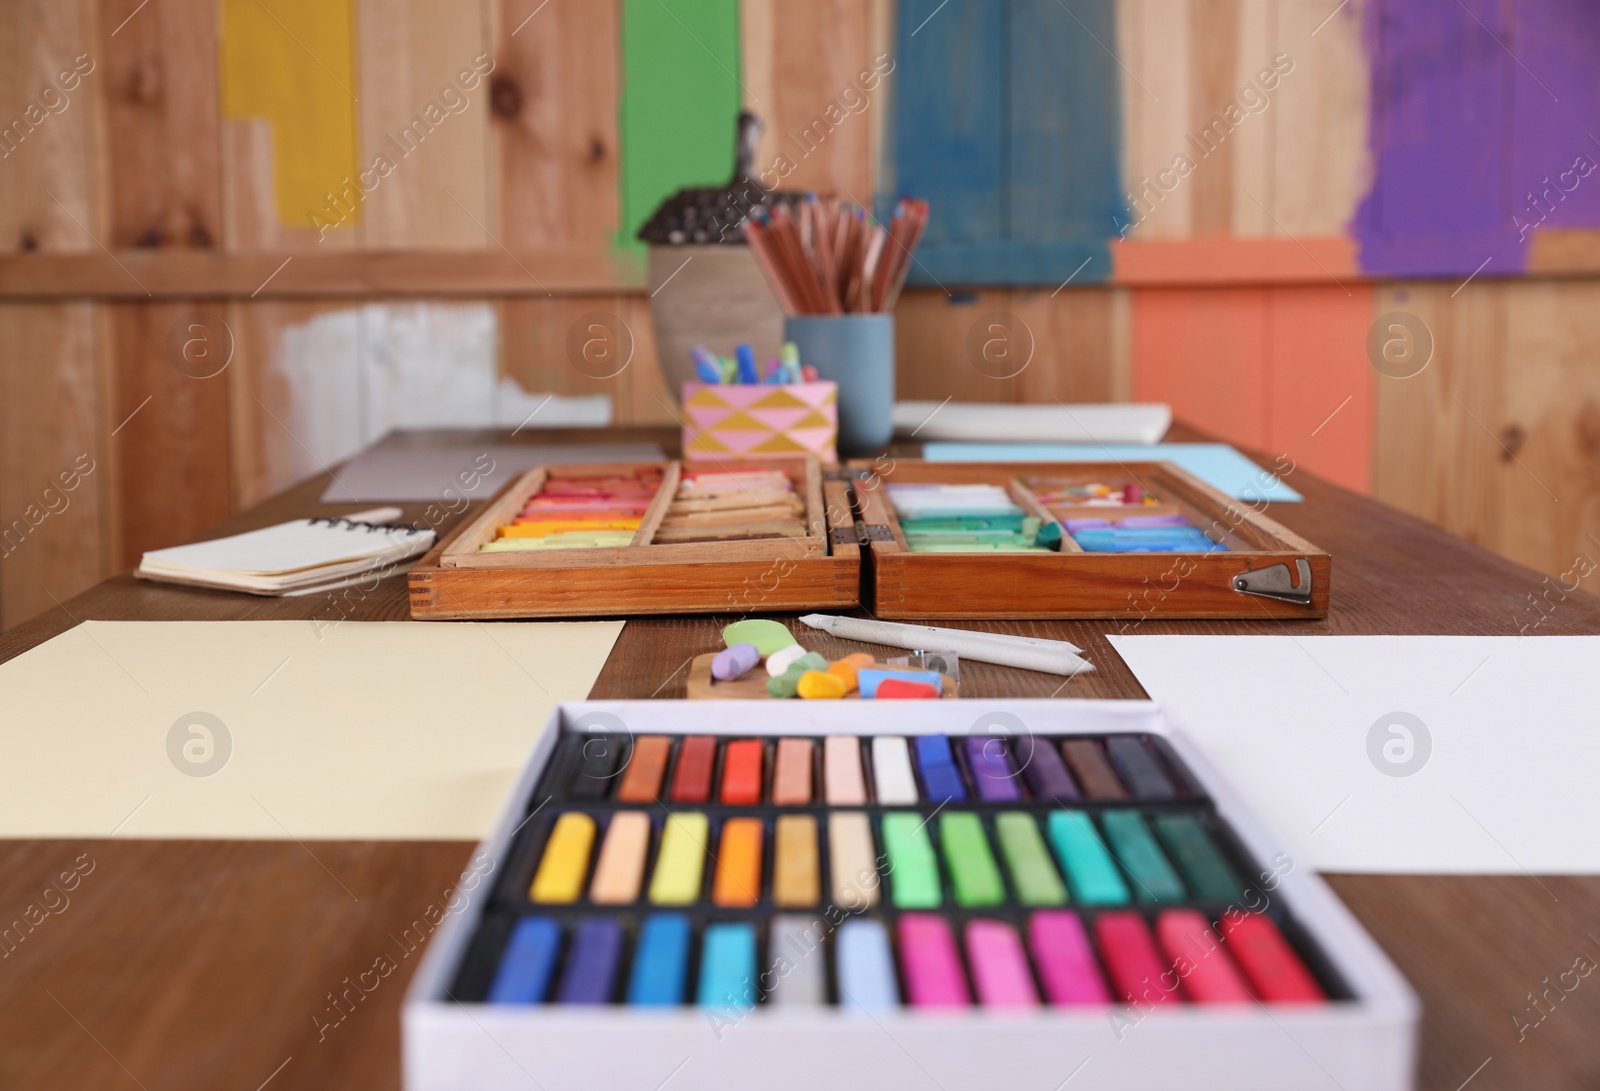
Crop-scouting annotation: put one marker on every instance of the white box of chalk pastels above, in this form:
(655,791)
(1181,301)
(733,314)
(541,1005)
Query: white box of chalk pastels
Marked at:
(957,894)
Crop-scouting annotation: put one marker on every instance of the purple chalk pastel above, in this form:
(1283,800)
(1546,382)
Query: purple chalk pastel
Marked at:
(992,771)
(1044,770)
(734,661)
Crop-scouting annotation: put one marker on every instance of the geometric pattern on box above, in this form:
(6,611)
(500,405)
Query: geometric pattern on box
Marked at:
(757,420)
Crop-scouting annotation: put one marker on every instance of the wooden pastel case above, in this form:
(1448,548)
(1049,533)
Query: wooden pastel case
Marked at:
(1267,570)
(818,569)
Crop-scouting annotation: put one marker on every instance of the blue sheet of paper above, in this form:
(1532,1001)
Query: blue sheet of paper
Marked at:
(1217,464)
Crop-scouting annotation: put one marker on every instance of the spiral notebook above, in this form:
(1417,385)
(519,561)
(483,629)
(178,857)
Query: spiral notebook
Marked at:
(294,558)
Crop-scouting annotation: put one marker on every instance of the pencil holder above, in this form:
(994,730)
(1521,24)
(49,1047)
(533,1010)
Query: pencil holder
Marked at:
(722,421)
(857,352)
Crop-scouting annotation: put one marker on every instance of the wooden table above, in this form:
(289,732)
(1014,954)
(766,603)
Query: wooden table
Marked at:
(204,963)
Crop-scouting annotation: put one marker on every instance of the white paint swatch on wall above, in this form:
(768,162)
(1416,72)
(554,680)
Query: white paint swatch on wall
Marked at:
(355,375)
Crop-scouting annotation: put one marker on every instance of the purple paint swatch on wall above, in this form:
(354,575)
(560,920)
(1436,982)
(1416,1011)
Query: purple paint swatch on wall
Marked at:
(1483,131)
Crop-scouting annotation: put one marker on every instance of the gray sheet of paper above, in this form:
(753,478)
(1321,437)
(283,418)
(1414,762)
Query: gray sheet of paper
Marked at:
(420,474)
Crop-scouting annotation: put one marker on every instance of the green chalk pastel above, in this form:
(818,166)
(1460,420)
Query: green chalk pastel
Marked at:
(1091,873)
(913,868)
(1033,874)
(1136,850)
(768,636)
(973,872)
(1197,855)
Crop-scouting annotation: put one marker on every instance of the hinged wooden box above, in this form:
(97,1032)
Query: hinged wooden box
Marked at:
(800,563)
(1262,570)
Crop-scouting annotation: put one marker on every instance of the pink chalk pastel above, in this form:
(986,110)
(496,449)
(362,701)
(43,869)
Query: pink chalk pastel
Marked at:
(999,968)
(932,966)
(1067,966)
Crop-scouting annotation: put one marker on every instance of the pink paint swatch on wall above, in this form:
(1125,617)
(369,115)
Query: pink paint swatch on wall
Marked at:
(750,421)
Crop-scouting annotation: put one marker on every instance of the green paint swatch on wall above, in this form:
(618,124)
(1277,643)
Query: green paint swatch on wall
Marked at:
(680,101)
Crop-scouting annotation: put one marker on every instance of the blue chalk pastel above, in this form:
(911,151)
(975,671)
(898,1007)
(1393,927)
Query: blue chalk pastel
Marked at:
(746,357)
(528,962)
(661,961)
(866,968)
(868,679)
(591,968)
(728,967)
(941,780)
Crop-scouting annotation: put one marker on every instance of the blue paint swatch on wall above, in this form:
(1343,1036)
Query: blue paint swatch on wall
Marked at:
(1008,120)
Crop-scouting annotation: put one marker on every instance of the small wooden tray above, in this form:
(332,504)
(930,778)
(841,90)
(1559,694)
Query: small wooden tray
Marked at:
(753,686)
(1268,570)
(818,569)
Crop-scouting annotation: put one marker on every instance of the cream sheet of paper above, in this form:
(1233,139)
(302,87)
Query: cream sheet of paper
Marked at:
(353,730)
(1304,728)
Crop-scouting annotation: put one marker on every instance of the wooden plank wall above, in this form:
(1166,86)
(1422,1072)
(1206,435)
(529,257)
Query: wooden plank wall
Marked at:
(1235,295)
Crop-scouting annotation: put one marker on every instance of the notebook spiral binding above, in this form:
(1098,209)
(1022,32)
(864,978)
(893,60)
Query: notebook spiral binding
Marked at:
(336,521)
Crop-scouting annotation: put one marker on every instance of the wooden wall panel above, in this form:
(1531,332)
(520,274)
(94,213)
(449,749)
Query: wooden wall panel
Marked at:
(1078,349)
(556,81)
(802,62)
(1205,351)
(51,536)
(51,190)
(169,461)
(1153,40)
(438,195)
(1290,160)
(160,90)
(1319,408)
(538,354)
(1498,439)
(1318,120)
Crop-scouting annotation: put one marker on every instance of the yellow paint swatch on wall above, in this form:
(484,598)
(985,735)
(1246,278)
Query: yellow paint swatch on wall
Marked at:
(292,62)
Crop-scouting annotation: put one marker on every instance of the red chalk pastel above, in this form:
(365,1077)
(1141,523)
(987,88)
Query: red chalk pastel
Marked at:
(896,688)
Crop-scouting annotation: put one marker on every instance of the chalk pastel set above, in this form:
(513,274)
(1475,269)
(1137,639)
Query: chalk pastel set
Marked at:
(804,894)
(1127,541)
(665,537)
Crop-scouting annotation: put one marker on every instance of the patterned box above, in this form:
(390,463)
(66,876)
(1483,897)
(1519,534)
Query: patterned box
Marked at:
(756,420)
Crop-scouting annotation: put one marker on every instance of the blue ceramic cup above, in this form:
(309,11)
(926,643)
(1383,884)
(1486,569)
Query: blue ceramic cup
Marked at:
(856,351)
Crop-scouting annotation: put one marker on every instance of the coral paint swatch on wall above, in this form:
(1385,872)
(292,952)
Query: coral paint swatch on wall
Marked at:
(292,63)
(1480,132)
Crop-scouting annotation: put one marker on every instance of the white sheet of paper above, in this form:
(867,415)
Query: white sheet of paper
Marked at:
(358,730)
(1495,773)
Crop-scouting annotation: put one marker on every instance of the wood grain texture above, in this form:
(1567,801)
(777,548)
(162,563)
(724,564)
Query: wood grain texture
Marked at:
(1319,408)
(51,536)
(169,456)
(253,959)
(140,274)
(1068,345)
(553,102)
(51,168)
(801,58)
(1204,351)
(162,114)
(410,55)
(1505,456)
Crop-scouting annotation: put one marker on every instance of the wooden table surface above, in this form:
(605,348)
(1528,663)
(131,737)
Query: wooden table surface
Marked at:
(207,964)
